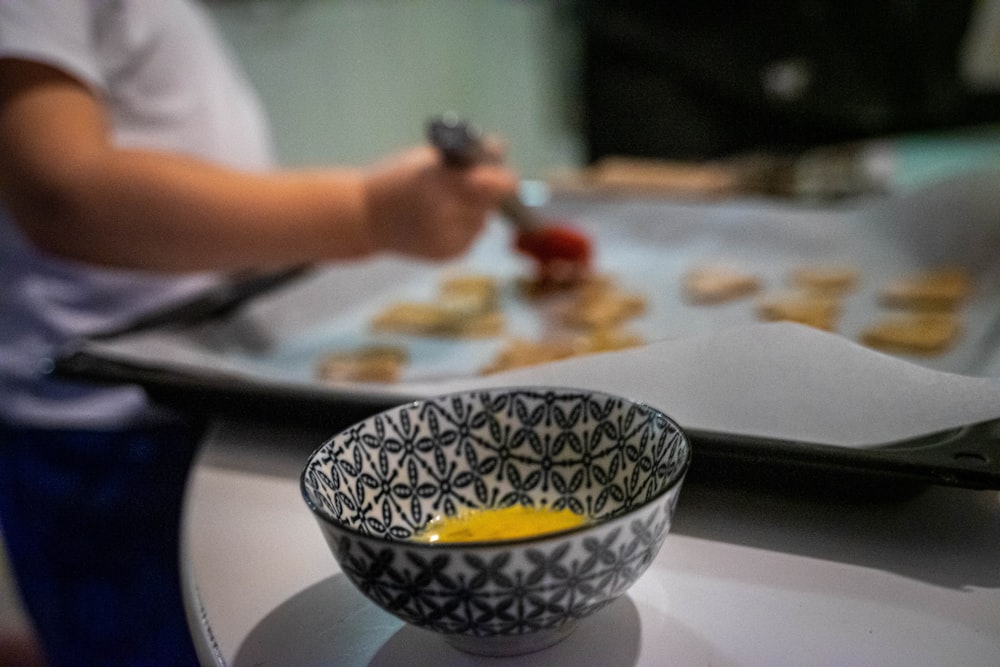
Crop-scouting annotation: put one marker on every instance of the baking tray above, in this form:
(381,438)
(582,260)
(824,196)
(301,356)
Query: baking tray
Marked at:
(251,348)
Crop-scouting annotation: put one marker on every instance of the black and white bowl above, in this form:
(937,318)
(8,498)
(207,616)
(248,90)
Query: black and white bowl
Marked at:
(618,462)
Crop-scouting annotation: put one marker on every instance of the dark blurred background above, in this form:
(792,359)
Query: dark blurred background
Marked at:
(695,79)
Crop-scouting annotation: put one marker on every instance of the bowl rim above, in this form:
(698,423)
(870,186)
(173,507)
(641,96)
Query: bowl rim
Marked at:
(493,544)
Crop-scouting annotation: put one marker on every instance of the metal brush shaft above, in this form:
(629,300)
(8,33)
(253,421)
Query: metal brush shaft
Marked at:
(461,145)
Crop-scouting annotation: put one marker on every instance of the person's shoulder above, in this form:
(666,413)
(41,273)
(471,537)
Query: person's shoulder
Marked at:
(56,33)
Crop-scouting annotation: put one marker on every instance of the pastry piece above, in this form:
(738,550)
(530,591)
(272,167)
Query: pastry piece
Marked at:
(925,333)
(610,339)
(717,284)
(433,319)
(602,305)
(595,302)
(940,289)
(585,318)
(469,292)
(815,310)
(464,307)
(520,352)
(830,279)
(532,288)
(372,363)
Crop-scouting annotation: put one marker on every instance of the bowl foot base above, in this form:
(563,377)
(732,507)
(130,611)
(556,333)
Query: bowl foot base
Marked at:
(512,644)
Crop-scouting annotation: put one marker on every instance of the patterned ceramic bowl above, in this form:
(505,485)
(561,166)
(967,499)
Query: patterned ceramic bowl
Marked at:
(618,462)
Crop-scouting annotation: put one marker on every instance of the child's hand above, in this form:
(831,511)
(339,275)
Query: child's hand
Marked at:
(419,206)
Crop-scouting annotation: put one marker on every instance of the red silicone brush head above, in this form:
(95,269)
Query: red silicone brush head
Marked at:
(563,253)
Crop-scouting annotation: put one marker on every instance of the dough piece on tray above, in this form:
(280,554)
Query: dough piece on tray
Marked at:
(522,352)
(464,307)
(939,289)
(829,279)
(909,332)
(601,305)
(473,291)
(432,319)
(815,310)
(712,284)
(585,319)
(371,363)
(532,288)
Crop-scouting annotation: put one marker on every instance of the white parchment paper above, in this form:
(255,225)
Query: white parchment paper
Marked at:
(709,368)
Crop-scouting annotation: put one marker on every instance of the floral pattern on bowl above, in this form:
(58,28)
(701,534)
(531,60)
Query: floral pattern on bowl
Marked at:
(618,462)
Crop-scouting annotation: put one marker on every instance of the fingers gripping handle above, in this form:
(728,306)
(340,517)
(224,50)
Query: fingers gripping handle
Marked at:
(460,144)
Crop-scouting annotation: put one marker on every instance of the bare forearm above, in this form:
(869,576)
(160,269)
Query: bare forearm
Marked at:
(166,212)
(77,194)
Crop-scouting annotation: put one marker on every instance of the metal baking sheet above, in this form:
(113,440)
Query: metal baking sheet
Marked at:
(268,347)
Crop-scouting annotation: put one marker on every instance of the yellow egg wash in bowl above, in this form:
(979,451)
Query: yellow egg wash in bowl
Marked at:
(548,503)
(503,523)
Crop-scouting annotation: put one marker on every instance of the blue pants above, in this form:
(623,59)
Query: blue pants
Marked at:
(92,522)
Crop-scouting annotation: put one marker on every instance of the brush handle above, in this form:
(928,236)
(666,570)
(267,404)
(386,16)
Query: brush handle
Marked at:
(461,145)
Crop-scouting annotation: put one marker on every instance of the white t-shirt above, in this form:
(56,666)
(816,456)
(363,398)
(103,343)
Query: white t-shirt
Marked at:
(168,84)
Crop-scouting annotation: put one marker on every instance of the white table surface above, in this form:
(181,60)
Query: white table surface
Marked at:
(746,577)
